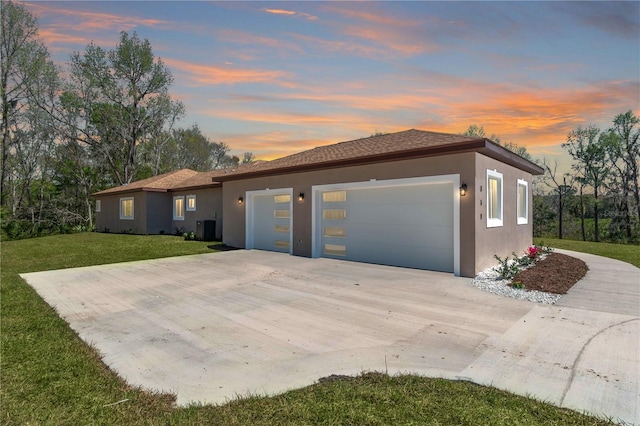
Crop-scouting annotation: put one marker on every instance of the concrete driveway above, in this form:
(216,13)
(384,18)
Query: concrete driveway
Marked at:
(211,327)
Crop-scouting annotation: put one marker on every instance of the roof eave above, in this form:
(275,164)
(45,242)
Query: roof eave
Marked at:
(194,187)
(495,151)
(128,191)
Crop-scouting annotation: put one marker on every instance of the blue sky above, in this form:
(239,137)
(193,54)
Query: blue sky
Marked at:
(278,77)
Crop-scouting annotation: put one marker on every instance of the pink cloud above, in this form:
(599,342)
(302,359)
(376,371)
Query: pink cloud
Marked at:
(370,16)
(280,12)
(214,75)
(83,20)
(242,37)
(291,13)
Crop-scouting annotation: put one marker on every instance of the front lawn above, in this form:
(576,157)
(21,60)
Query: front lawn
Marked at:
(626,252)
(50,376)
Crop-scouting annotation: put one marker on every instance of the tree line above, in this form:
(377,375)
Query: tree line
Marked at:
(105,118)
(600,196)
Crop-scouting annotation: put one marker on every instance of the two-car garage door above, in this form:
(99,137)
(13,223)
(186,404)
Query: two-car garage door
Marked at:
(400,225)
(404,222)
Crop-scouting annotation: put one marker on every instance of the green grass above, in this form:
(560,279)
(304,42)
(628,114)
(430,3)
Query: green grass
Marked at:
(626,252)
(51,377)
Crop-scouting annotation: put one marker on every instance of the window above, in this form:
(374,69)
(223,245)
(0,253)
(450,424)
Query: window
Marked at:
(126,208)
(494,199)
(98,206)
(334,196)
(281,244)
(334,214)
(523,202)
(282,228)
(282,198)
(281,214)
(335,249)
(191,203)
(334,231)
(178,208)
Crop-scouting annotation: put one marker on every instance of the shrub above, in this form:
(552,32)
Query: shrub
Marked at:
(83,228)
(524,261)
(507,268)
(533,252)
(517,284)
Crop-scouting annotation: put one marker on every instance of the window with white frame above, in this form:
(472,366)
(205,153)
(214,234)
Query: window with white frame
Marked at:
(191,203)
(98,206)
(494,199)
(126,208)
(523,202)
(178,208)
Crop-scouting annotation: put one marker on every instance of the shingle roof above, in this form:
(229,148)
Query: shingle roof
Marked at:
(382,148)
(177,180)
(373,147)
(405,144)
(161,182)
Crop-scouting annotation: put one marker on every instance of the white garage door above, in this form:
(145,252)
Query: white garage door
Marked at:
(269,220)
(399,225)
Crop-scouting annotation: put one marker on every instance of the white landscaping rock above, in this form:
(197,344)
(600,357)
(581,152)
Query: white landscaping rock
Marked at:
(490,280)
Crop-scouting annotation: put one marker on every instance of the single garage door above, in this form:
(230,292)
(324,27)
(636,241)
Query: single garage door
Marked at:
(399,225)
(269,220)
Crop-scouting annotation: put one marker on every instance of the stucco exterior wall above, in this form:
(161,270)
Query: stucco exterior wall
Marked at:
(510,237)
(208,207)
(234,213)
(158,211)
(109,216)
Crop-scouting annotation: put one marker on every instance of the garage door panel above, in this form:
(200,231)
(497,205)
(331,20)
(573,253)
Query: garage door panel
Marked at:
(410,214)
(407,235)
(399,255)
(400,194)
(401,225)
(271,222)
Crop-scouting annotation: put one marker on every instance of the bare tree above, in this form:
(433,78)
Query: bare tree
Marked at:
(563,187)
(588,150)
(24,62)
(248,157)
(117,100)
(627,128)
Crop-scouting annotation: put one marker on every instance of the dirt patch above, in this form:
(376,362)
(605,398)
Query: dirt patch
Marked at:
(557,273)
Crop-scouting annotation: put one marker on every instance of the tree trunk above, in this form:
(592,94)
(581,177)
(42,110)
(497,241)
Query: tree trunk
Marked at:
(87,201)
(627,215)
(636,188)
(584,234)
(5,146)
(560,213)
(596,232)
(89,213)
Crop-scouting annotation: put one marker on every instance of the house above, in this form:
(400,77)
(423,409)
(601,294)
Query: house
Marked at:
(414,198)
(168,203)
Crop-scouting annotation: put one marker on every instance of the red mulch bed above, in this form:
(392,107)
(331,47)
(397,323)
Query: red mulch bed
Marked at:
(557,273)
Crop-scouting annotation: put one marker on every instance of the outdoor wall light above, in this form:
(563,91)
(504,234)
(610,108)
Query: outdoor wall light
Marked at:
(240,200)
(301,196)
(463,189)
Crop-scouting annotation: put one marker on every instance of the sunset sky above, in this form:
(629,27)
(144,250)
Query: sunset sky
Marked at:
(277,78)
